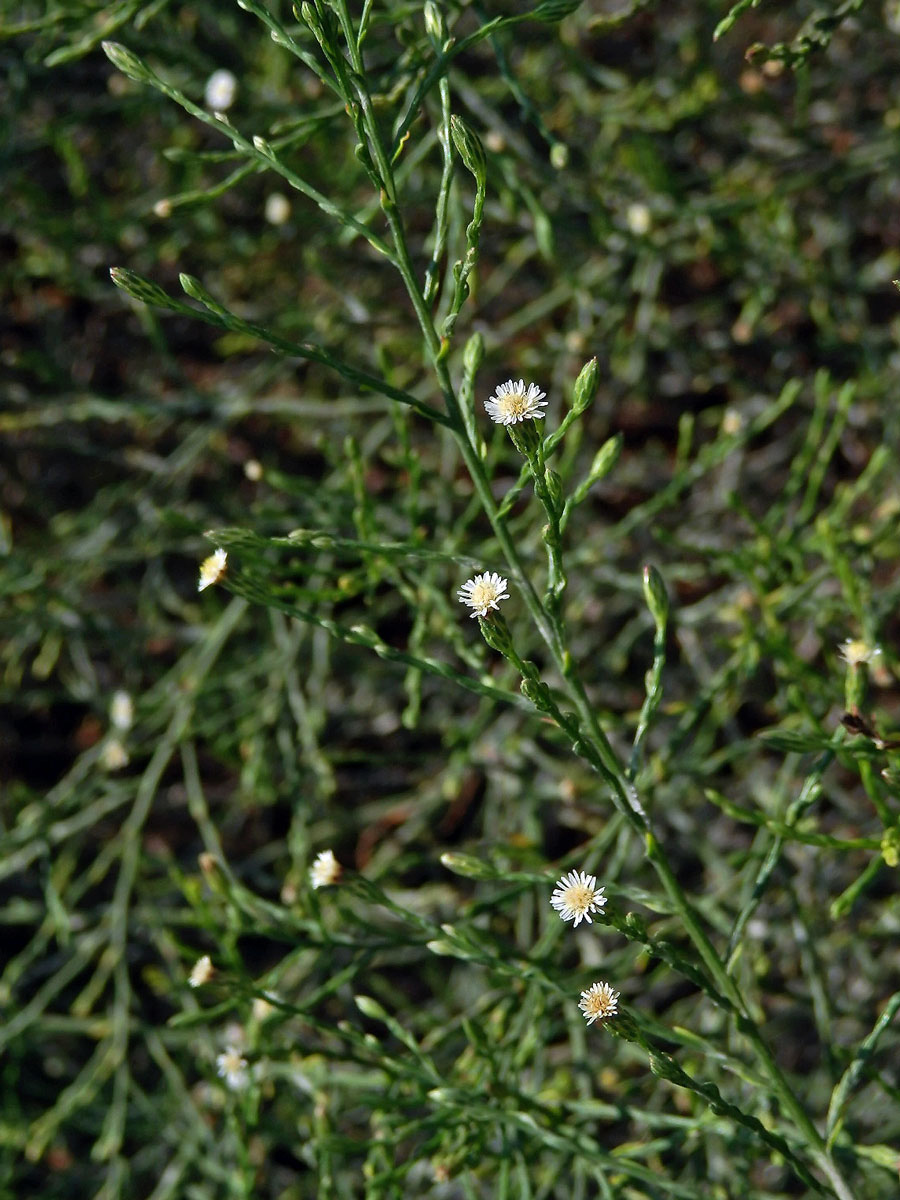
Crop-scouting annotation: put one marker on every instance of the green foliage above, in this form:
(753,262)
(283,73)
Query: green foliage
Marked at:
(321,272)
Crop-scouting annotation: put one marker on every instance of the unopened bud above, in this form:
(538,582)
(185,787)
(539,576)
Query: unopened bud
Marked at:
(469,147)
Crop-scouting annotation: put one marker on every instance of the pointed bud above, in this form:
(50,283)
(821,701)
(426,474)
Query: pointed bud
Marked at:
(656,596)
(473,355)
(127,62)
(468,146)
(586,386)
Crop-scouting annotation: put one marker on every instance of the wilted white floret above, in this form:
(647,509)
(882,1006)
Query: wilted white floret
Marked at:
(856,652)
(577,896)
(201,972)
(221,89)
(232,1067)
(598,1002)
(121,711)
(325,871)
(212,569)
(483,593)
(513,402)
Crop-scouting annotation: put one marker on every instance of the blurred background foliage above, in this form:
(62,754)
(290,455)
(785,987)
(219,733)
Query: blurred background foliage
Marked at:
(710,218)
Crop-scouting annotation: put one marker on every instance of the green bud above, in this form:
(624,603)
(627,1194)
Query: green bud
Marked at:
(127,62)
(586,386)
(434,22)
(195,289)
(473,355)
(537,693)
(553,484)
(140,288)
(606,458)
(656,596)
(468,146)
(526,438)
(370,1008)
(890,847)
(553,11)
(468,866)
(496,633)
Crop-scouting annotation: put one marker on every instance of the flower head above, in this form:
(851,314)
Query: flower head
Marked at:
(513,402)
(232,1067)
(114,756)
(121,711)
(212,569)
(483,593)
(576,896)
(201,972)
(221,89)
(325,871)
(598,1002)
(856,652)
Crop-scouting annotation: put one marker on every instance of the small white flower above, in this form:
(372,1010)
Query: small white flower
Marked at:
(325,871)
(639,218)
(121,711)
(232,1067)
(598,1002)
(483,593)
(577,896)
(212,569)
(201,972)
(513,402)
(221,89)
(856,652)
(114,755)
(262,1009)
(278,208)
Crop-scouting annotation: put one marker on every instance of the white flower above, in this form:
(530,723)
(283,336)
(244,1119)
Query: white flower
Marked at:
(856,652)
(278,208)
(114,755)
(212,569)
(639,218)
(577,896)
(121,711)
(201,972)
(484,592)
(232,1067)
(221,89)
(598,1002)
(513,402)
(325,871)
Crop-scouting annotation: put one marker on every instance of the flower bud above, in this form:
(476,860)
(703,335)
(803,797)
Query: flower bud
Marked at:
(127,62)
(656,596)
(586,386)
(468,146)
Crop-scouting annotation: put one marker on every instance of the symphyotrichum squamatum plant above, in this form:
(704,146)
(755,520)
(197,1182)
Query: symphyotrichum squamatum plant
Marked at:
(450,641)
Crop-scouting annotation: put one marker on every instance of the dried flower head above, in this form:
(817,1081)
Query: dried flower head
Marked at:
(232,1067)
(483,593)
(598,1002)
(855,652)
(201,972)
(325,871)
(513,402)
(212,569)
(576,896)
